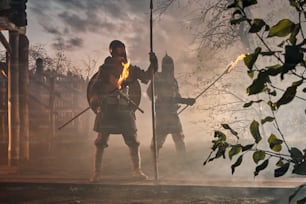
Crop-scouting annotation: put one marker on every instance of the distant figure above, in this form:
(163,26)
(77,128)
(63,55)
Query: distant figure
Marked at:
(39,72)
(114,113)
(167,100)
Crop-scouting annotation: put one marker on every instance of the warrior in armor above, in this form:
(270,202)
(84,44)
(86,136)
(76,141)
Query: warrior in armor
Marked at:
(167,103)
(115,114)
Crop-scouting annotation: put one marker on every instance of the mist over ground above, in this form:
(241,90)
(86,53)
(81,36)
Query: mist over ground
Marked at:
(89,33)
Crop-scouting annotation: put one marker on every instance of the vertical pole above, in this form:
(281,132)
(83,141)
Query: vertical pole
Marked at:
(24,97)
(5,134)
(15,139)
(9,108)
(153,100)
(52,112)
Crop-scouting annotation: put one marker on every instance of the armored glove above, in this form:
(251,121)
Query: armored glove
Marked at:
(187,101)
(190,101)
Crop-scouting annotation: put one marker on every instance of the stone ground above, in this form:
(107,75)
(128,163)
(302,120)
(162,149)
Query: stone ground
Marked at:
(63,178)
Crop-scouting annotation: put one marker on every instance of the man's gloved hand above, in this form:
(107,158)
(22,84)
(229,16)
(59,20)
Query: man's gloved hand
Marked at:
(153,61)
(190,101)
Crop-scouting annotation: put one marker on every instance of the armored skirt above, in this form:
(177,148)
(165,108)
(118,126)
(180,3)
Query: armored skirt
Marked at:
(115,119)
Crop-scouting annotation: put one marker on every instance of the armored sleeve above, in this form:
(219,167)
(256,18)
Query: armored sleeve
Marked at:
(142,75)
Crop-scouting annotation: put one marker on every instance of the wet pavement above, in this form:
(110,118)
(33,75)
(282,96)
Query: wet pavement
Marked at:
(58,180)
(44,189)
(134,193)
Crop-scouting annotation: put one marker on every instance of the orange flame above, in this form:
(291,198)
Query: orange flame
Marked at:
(124,74)
(233,64)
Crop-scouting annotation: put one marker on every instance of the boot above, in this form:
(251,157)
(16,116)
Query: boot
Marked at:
(135,157)
(97,175)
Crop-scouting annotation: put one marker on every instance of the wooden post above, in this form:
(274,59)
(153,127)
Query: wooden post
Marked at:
(3,117)
(52,112)
(24,97)
(14,86)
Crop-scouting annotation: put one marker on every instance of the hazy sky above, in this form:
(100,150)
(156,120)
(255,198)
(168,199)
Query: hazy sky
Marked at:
(87,27)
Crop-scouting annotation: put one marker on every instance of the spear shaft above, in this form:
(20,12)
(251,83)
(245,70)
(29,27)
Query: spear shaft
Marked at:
(202,92)
(153,100)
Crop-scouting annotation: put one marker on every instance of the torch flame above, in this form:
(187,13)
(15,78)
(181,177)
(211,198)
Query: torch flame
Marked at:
(124,74)
(233,64)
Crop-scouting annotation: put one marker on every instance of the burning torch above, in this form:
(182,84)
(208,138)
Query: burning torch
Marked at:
(125,94)
(228,69)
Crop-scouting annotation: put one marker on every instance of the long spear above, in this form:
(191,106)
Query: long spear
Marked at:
(228,69)
(153,99)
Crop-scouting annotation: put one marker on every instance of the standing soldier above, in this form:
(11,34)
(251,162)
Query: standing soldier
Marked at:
(114,104)
(39,73)
(167,100)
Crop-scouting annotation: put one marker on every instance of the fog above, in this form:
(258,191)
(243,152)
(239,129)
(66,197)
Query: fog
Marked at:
(195,70)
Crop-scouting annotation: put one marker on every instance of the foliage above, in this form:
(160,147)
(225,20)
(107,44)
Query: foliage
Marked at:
(208,21)
(289,61)
(59,64)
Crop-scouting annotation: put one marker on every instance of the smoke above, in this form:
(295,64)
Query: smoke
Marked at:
(89,26)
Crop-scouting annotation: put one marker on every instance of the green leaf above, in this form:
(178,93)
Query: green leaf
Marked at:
(254,129)
(289,94)
(283,28)
(237,163)
(280,163)
(274,70)
(235,21)
(226,126)
(251,74)
(296,155)
(250,103)
(258,155)
(261,167)
(294,33)
(259,84)
(247,3)
(247,147)
(269,53)
(208,159)
(257,25)
(267,119)
(293,55)
(246,105)
(221,150)
(220,135)
(233,151)
(272,93)
(281,44)
(282,170)
(275,143)
(250,59)
(300,169)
